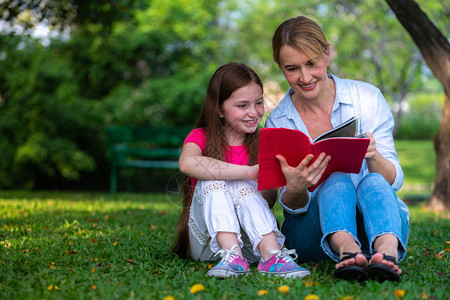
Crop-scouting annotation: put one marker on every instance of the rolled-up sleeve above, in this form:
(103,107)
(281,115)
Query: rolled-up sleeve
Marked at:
(381,123)
(294,211)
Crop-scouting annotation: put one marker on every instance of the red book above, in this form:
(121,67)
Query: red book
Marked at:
(347,153)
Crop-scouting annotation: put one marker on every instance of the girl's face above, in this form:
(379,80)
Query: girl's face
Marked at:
(306,77)
(242,112)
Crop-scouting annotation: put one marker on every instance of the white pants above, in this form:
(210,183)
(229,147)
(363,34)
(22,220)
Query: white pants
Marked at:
(229,206)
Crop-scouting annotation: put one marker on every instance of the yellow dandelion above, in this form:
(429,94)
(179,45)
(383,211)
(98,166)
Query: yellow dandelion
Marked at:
(169,298)
(424,295)
(115,243)
(312,297)
(311,283)
(399,293)
(56,287)
(93,287)
(197,288)
(284,289)
(263,292)
(50,287)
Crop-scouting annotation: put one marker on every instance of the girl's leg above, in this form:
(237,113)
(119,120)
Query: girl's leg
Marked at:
(256,218)
(216,214)
(213,211)
(261,227)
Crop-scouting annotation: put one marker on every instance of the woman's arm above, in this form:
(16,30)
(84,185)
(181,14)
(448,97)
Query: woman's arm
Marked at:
(192,163)
(376,163)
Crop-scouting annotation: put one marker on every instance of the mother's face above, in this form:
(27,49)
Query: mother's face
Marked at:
(305,76)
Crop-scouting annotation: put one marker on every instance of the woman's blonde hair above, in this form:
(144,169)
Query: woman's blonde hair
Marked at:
(303,34)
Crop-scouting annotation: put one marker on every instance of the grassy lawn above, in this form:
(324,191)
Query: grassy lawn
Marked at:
(418,161)
(97,246)
(68,245)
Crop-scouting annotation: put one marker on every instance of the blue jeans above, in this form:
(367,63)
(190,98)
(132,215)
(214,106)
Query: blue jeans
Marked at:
(366,212)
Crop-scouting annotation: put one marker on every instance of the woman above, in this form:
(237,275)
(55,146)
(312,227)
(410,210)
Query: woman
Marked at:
(348,213)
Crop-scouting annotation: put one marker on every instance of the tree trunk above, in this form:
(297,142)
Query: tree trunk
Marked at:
(435,50)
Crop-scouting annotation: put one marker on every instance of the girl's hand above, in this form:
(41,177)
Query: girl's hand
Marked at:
(253,173)
(372,149)
(302,177)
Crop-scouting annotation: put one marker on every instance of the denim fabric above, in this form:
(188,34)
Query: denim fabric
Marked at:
(370,210)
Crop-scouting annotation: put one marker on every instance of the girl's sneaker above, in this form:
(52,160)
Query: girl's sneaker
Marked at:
(231,264)
(282,265)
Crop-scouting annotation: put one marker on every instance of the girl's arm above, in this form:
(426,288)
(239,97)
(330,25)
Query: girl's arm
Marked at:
(192,163)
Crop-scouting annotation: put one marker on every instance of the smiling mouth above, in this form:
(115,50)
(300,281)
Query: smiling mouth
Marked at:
(308,86)
(251,122)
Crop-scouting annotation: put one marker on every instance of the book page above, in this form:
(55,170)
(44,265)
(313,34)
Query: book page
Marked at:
(346,129)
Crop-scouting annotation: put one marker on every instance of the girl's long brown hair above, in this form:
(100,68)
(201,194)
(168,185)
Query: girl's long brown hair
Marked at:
(227,79)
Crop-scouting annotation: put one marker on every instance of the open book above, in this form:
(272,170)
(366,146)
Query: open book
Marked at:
(347,152)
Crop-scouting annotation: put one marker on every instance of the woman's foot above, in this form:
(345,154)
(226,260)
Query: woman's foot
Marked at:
(383,264)
(381,258)
(353,259)
(352,266)
(353,262)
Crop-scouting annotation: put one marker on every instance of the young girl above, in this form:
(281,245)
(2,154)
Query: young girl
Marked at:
(223,212)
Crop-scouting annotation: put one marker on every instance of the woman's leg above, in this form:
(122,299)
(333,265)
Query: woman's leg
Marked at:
(385,223)
(303,233)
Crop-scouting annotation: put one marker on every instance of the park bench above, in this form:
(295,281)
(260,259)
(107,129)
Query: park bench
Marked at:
(143,147)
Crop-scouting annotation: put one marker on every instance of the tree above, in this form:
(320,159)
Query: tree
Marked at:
(435,50)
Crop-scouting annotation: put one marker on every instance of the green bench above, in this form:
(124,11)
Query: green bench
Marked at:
(143,147)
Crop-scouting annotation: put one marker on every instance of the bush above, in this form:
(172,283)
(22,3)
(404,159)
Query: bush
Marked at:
(423,118)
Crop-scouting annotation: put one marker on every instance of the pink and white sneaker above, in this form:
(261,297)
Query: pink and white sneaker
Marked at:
(283,265)
(231,264)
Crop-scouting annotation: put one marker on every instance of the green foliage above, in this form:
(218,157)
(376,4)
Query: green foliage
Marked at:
(148,63)
(44,125)
(82,246)
(423,118)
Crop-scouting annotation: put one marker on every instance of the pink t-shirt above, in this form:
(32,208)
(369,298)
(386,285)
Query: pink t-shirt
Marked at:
(236,155)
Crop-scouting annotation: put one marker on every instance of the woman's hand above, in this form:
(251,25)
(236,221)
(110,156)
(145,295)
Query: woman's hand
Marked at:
(372,149)
(376,163)
(302,177)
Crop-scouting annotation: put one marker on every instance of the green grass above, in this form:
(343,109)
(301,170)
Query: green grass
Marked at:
(101,246)
(418,161)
